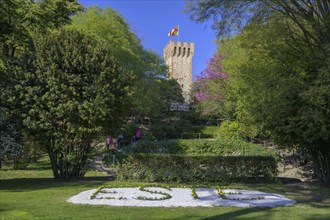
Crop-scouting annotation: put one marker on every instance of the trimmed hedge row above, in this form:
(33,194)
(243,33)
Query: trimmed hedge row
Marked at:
(200,148)
(179,168)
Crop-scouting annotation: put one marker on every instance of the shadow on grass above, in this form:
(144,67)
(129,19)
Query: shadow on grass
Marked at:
(31,184)
(265,213)
(288,180)
(258,213)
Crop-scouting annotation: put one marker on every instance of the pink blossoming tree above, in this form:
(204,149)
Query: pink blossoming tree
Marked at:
(209,91)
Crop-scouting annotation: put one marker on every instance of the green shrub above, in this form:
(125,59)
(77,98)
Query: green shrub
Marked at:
(229,130)
(223,147)
(180,168)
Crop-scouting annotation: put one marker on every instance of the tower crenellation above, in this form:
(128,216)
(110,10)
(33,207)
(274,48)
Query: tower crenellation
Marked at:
(178,56)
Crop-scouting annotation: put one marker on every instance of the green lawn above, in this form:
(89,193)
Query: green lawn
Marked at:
(33,194)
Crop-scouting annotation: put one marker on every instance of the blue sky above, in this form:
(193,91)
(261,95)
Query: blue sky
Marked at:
(151,20)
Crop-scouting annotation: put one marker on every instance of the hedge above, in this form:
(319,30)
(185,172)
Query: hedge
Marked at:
(181,168)
(195,147)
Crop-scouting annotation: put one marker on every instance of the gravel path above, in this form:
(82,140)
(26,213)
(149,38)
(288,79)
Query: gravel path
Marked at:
(181,197)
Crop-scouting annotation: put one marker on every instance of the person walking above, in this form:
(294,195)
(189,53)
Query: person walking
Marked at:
(108,142)
(120,139)
(138,134)
(133,139)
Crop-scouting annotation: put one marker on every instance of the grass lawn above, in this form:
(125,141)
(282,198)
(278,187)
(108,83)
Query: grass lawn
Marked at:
(33,194)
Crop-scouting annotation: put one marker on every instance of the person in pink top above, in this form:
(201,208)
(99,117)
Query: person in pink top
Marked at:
(138,134)
(108,141)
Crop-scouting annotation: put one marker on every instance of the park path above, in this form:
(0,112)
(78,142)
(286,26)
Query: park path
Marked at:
(97,164)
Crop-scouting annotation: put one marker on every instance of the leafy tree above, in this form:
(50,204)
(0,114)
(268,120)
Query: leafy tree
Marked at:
(149,89)
(279,68)
(153,93)
(76,89)
(109,26)
(20,19)
(310,17)
(10,141)
(279,92)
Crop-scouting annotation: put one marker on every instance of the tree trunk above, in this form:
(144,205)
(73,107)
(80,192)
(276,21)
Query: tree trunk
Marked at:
(5,51)
(65,170)
(321,158)
(53,158)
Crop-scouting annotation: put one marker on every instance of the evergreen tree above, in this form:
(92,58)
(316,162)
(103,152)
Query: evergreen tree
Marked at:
(75,90)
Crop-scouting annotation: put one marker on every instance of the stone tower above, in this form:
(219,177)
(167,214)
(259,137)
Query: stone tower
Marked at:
(178,57)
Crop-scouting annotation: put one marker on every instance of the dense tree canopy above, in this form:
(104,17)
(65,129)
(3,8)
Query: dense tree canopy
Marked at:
(278,68)
(149,69)
(75,91)
(109,26)
(20,19)
(67,85)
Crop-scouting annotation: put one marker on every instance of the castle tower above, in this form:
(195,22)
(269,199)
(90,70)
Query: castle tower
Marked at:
(179,59)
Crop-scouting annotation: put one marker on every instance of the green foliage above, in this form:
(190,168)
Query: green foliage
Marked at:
(177,168)
(10,141)
(110,27)
(310,18)
(21,19)
(210,129)
(223,147)
(278,68)
(196,160)
(151,94)
(165,195)
(279,93)
(162,130)
(76,89)
(229,130)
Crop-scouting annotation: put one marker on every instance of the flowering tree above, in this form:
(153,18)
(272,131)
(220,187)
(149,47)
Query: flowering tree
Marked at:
(209,90)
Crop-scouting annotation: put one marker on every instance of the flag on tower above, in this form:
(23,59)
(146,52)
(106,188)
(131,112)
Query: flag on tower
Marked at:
(174,31)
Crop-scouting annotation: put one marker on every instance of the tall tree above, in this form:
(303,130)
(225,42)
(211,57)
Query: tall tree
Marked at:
(75,90)
(279,68)
(20,20)
(109,26)
(148,67)
(279,92)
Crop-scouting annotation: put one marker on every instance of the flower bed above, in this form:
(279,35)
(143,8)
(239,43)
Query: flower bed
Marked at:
(159,196)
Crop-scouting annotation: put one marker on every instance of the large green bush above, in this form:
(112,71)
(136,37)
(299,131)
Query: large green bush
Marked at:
(226,160)
(180,168)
